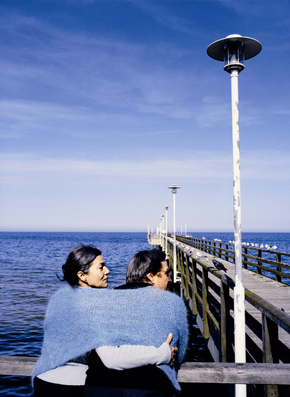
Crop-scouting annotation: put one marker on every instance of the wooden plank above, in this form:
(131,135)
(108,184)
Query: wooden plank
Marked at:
(234,373)
(17,365)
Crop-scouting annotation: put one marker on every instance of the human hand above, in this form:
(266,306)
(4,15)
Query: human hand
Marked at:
(173,349)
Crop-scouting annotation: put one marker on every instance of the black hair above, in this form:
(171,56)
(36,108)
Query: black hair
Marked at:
(78,260)
(143,263)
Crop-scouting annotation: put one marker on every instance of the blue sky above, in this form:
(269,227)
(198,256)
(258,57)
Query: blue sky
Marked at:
(104,104)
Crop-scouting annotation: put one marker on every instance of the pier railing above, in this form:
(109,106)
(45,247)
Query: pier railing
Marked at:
(210,296)
(262,261)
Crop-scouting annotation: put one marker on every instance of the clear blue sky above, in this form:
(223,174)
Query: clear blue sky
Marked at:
(104,104)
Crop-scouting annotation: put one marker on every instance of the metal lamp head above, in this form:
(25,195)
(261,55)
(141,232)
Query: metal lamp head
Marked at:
(174,188)
(234,50)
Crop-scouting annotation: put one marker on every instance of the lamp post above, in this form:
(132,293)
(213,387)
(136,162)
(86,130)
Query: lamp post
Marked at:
(174,190)
(162,227)
(166,216)
(234,50)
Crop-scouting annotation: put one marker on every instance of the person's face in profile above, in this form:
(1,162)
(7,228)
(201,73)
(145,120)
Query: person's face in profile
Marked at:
(160,280)
(98,274)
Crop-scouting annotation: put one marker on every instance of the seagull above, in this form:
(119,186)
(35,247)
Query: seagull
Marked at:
(219,265)
(274,247)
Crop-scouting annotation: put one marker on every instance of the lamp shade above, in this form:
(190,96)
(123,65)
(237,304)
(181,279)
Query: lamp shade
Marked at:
(234,50)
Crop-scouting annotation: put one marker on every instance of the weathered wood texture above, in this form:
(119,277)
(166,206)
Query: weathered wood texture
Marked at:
(17,365)
(234,373)
(210,296)
(228,373)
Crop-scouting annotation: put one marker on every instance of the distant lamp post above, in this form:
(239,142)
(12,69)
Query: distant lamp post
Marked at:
(162,227)
(233,51)
(174,190)
(166,224)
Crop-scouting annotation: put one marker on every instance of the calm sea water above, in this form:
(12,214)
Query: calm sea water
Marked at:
(29,264)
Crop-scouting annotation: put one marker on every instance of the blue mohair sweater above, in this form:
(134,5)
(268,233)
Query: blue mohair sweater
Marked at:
(80,319)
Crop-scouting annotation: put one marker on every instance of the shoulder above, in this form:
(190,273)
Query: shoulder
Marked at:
(166,297)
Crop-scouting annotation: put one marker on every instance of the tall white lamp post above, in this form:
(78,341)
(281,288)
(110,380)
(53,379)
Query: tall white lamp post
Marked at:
(174,190)
(166,224)
(234,50)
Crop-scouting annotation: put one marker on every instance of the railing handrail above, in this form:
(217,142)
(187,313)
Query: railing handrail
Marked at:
(221,250)
(190,372)
(216,315)
(278,316)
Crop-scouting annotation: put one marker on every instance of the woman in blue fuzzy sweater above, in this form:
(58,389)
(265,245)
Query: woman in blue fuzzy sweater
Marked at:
(79,320)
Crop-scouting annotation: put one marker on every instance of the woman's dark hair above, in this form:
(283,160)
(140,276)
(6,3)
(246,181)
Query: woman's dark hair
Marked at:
(143,263)
(78,260)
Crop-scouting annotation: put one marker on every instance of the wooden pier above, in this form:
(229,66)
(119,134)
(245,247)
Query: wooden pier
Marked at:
(209,293)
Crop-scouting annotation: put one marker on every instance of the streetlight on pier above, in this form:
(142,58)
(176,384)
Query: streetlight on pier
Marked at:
(234,50)
(162,226)
(174,190)
(166,224)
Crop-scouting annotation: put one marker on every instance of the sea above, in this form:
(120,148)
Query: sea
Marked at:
(30,263)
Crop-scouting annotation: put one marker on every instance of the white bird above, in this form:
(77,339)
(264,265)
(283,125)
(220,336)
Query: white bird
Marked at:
(262,246)
(274,247)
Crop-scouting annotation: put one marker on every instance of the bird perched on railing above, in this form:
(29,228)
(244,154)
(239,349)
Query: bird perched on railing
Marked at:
(218,265)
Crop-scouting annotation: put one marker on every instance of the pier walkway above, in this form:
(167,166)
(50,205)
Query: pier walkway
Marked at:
(209,293)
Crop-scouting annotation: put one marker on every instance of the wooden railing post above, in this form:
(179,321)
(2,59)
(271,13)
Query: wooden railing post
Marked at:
(194,287)
(277,276)
(220,252)
(187,278)
(214,249)
(259,271)
(225,313)
(270,349)
(180,267)
(226,255)
(205,304)
(244,262)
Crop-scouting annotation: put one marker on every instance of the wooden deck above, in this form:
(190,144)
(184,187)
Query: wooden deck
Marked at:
(272,291)
(210,296)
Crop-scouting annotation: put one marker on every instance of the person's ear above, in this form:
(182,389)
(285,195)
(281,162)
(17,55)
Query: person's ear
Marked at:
(81,275)
(150,278)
